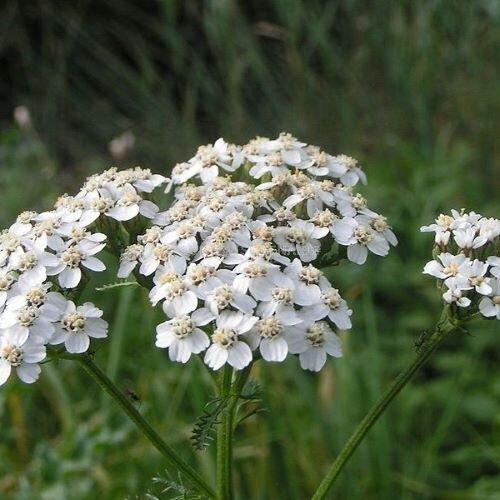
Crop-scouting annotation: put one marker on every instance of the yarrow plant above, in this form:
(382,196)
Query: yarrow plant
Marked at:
(232,248)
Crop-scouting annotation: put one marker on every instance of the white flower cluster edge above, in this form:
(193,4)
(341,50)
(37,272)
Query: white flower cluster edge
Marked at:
(466,261)
(231,260)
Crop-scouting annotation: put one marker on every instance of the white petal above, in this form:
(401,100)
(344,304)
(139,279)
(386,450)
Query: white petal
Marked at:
(148,209)
(70,277)
(165,337)
(239,355)
(96,327)
(94,264)
(274,350)
(202,316)
(5,369)
(179,351)
(123,213)
(215,356)
(487,307)
(357,253)
(28,372)
(243,302)
(126,268)
(333,346)
(198,341)
(313,359)
(77,342)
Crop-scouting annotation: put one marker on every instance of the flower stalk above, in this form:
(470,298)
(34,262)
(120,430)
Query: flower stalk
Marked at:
(231,391)
(444,327)
(123,402)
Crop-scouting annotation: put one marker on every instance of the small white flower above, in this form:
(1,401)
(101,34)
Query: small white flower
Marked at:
(490,306)
(443,227)
(179,299)
(32,309)
(334,307)
(313,341)
(359,238)
(182,335)
(129,260)
(269,335)
(454,294)
(21,352)
(308,282)
(219,296)
(78,325)
(466,238)
(71,258)
(147,182)
(475,274)
(301,237)
(226,346)
(489,228)
(156,254)
(33,261)
(128,204)
(447,266)
(347,170)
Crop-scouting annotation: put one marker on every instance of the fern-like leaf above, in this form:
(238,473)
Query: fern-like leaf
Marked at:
(204,428)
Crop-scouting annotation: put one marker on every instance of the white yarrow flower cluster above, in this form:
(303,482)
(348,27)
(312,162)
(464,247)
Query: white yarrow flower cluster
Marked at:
(234,261)
(45,257)
(466,261)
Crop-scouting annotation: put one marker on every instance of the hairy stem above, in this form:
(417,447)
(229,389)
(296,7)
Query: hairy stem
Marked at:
(444,327)
(186,471)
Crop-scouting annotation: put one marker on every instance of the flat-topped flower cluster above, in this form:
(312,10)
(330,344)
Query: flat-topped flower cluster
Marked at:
(234,260)
(44,261)
(466,261)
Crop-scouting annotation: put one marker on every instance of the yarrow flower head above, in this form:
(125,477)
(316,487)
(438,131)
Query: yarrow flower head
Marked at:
(46,258)
(234,261)
(466,261)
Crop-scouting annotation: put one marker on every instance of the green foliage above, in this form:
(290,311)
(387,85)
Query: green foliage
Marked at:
(409,88)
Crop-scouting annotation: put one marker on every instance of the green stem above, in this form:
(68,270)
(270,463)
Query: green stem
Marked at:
(231,391)
(443,329)
(170,455)
(225,438)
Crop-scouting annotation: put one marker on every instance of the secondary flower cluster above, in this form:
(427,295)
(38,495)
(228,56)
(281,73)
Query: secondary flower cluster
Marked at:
(232,259)
(466,261)
(44,258)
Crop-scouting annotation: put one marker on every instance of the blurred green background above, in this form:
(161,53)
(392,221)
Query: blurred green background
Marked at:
(409,88)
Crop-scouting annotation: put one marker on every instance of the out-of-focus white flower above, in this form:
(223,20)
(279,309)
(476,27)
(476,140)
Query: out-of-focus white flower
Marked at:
(22,116)
(121,145)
